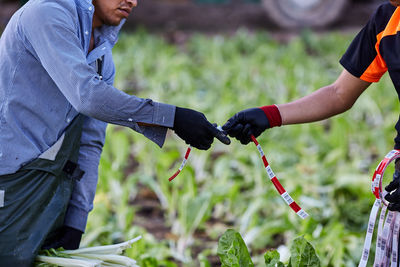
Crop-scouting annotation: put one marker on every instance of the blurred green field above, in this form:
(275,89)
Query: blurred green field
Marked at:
(326,166)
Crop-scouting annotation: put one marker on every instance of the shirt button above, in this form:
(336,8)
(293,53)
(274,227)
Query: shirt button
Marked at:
(68,120)
(90,8)
(130,119)
(86,32)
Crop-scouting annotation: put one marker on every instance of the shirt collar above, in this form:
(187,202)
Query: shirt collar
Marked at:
(109,33)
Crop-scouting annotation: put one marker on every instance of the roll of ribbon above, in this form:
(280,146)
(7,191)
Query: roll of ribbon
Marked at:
(388,226)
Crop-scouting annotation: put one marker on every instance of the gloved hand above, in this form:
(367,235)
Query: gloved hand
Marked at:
(394,190)
(67,237)
(194,128)
(245,123)
(252,121)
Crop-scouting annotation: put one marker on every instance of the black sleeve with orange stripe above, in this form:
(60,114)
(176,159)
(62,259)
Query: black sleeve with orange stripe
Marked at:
(362,58)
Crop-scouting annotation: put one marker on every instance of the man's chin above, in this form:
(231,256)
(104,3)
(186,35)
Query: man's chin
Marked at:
(113,22)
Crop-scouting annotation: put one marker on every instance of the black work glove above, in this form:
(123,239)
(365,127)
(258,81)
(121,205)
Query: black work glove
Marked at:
(245,123)
(394,191)
(66,237)
(194,128)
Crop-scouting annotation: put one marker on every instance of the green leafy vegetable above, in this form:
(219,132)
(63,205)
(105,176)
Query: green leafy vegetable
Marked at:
(271,258)
(149,262)
(233,251)
(303,254)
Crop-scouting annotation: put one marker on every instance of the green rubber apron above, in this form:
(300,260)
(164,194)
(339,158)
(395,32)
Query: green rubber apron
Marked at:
(33,201)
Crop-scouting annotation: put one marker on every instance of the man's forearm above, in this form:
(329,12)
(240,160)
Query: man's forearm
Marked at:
(325,102)
(319,105)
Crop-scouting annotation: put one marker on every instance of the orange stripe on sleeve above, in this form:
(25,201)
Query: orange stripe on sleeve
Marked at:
(378,67)
(393,25)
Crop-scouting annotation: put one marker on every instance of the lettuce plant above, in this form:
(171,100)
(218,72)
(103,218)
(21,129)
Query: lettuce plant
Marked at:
(233,252)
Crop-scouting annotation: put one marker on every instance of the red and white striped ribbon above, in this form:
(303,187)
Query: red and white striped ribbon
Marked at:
(182,164)
(189,149)
(284,194)
(388,226)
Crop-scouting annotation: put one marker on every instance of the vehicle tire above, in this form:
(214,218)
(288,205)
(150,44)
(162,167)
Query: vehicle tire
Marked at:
(292,14)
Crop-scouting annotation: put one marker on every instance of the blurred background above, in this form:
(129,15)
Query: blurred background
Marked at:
(219,57)
(222,15)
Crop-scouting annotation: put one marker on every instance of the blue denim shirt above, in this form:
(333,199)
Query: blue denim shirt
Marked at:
(47,77)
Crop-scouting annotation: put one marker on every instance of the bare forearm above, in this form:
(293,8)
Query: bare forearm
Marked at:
(319,105)
(325,102)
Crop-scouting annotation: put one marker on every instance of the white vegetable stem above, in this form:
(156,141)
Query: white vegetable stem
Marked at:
(116,259)
(69,262)
(110,249)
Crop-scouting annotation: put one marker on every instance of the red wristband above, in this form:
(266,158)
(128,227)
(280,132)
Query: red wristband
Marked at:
(273,115)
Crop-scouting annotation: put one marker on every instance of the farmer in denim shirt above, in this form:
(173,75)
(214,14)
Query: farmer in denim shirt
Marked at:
(56,98)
